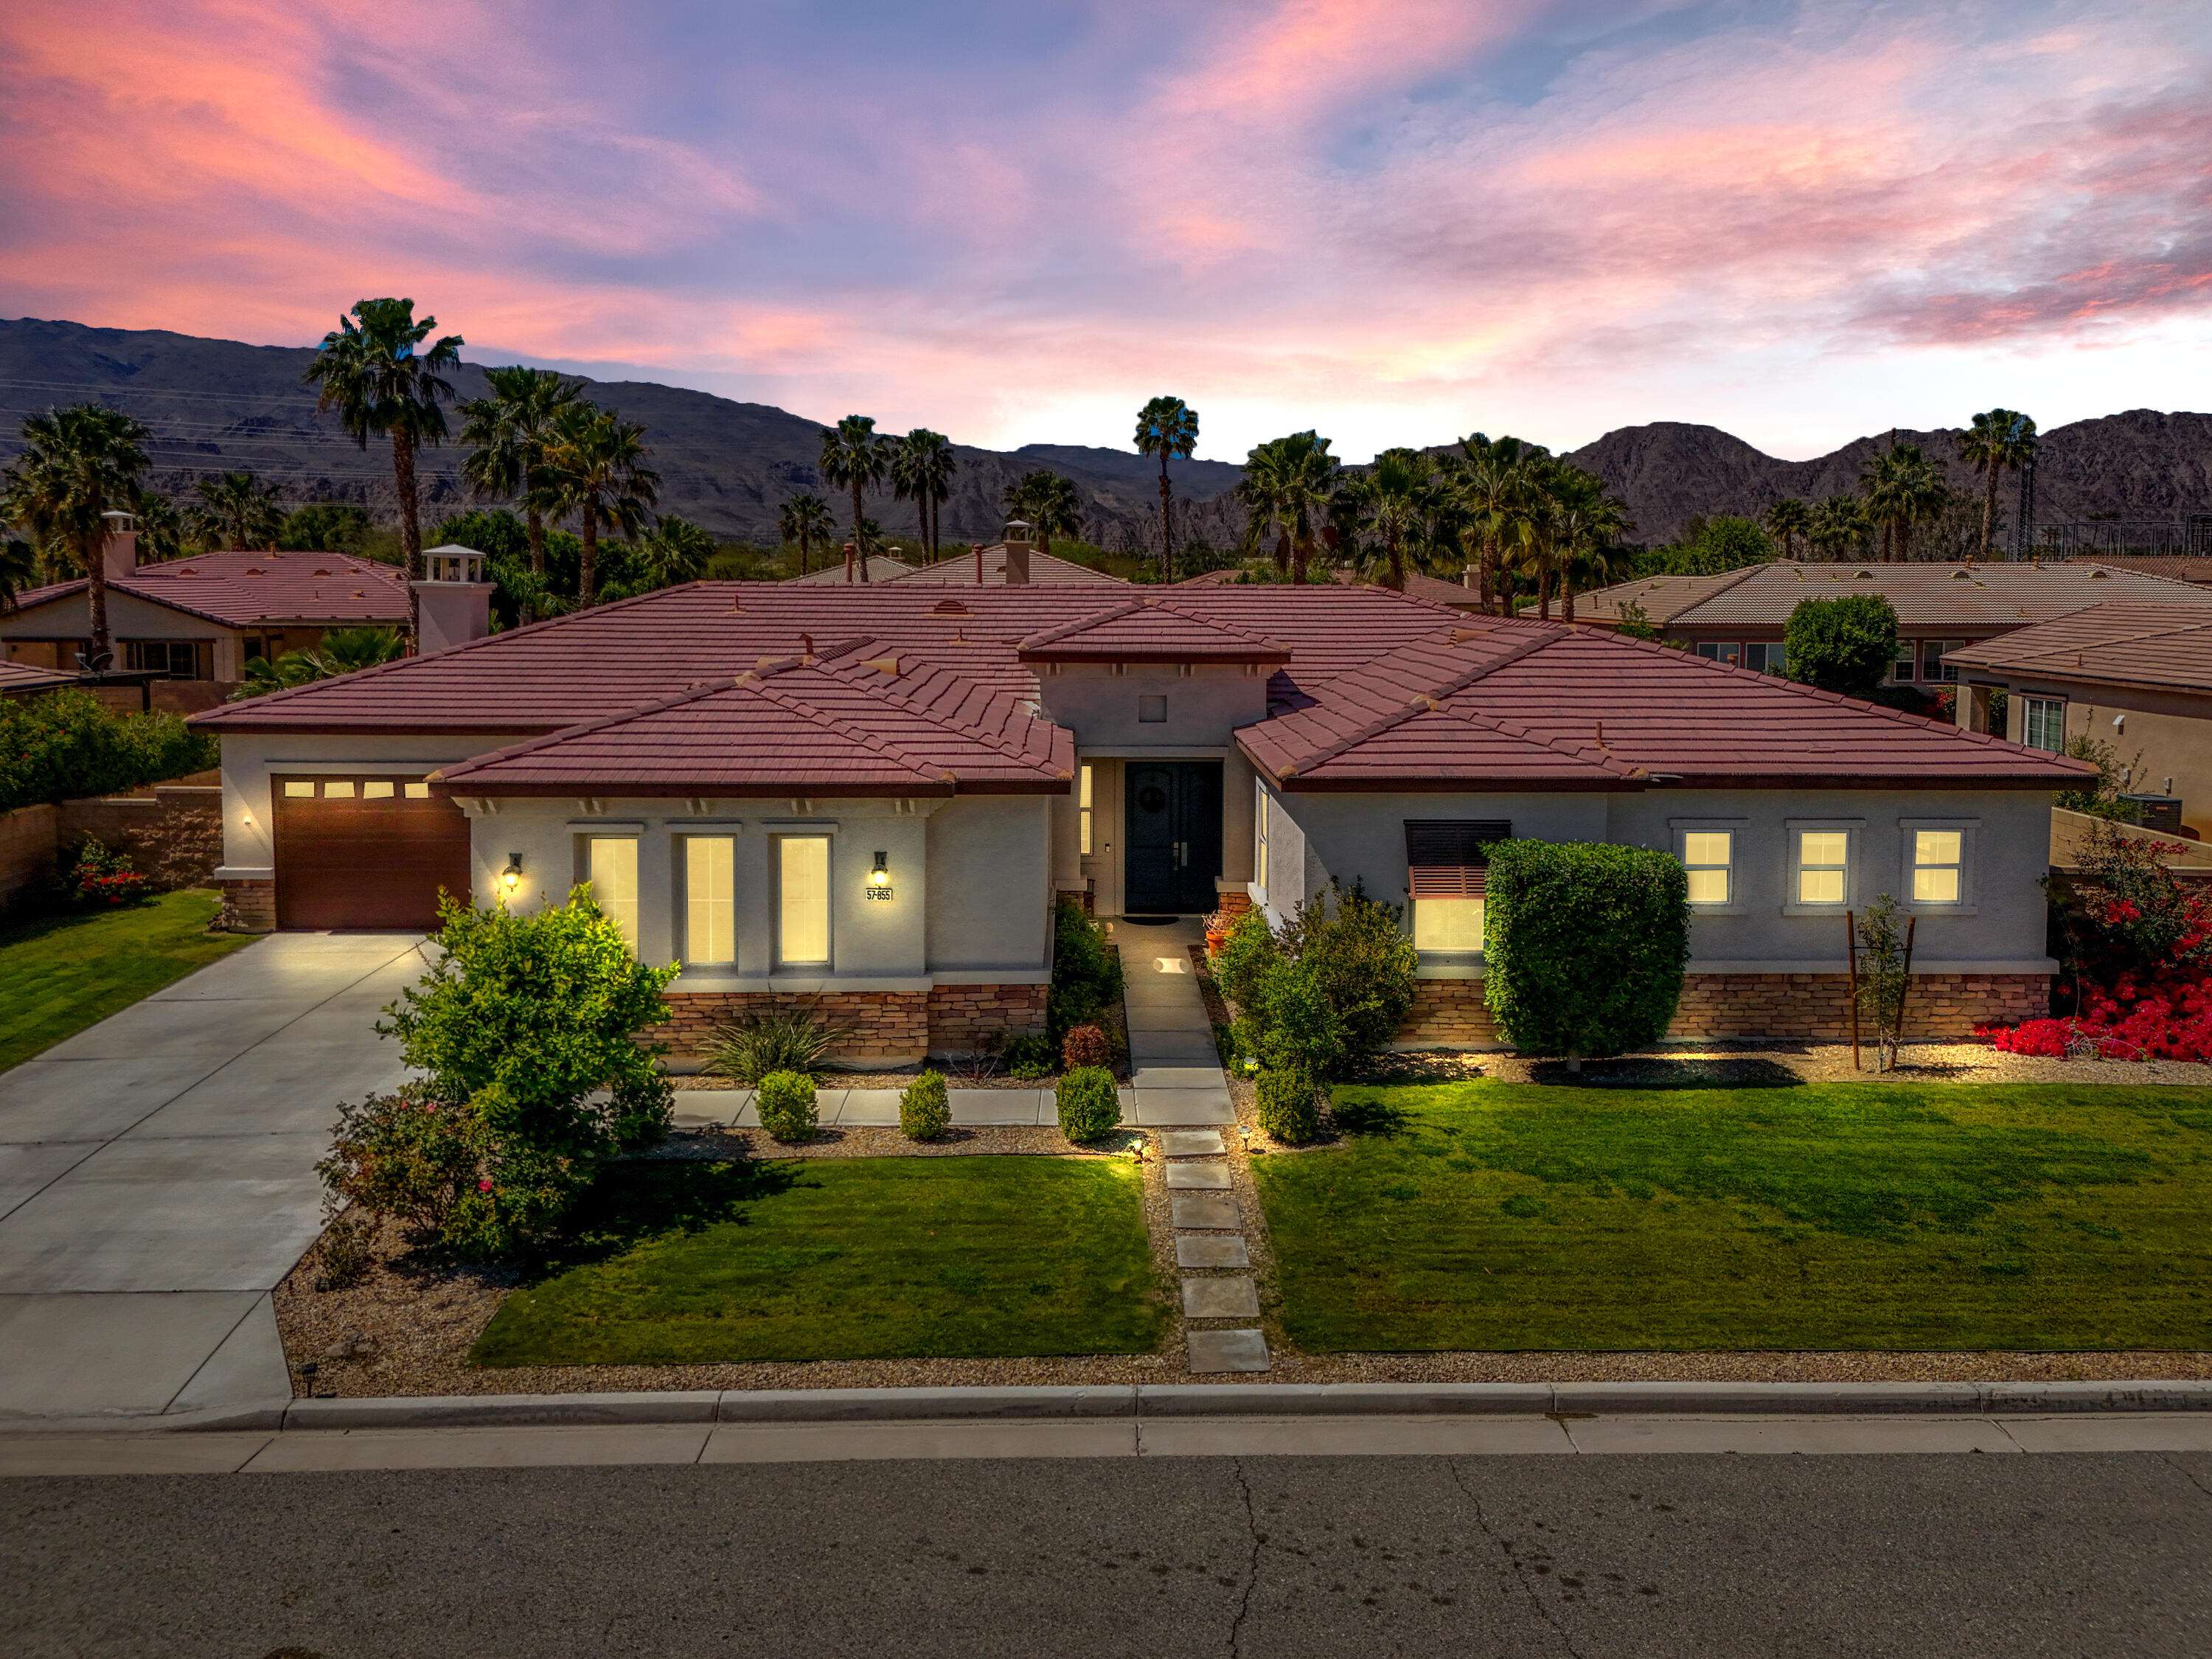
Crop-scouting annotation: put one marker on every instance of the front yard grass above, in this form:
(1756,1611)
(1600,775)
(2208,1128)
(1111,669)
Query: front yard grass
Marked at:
(683,1262)
(61,973)
(1496,1216)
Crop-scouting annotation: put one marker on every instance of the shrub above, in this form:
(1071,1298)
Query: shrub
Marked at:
(408,1155)
(347,1249)
(924,1113)
(785,1100)
(67,744)
(1302,1031)
(1085,1045)
(1584,946)
(1086,970)
(101,875)
(1844,645)
(1088,1104)
(1246,956)
(793,1039)
(1289,1105)
(1030,1056)
(1361,961)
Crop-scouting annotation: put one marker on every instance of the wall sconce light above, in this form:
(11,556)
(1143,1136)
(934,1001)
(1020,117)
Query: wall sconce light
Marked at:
(879,879)
(511,877)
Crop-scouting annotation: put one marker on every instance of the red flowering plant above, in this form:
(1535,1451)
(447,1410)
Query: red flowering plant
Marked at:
(102,876)
(2137,957)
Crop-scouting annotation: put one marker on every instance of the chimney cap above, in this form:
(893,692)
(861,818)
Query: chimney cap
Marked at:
(129,520)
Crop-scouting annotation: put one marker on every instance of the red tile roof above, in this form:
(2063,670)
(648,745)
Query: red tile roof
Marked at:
(240,590)
(2167,645)
(1151,629)
(881,568)
(1046,570)
(21,678)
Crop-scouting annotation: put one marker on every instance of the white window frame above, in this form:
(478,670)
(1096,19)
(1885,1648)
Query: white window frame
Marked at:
(2029,706)
(1854,830)
(635,935)
(1945,674)
(1734,829)
(1908,837)
(1908,659)
(1773,657)
(681,866)
(1259,843)
(811,965)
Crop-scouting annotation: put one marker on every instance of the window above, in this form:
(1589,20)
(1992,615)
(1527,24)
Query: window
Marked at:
(710,910)
(612,867)
(298,789)
(802,899)
(376,789)
(1083,807)
(1937,856)
(418,792)
(1823,865)
(178,658)
(2044,723)
(1908,652)
(1726,652)
(1447,864)
(1932,653)
(1767,657)
(1152,711)
(1708,855)
(338,789)
(1259,844)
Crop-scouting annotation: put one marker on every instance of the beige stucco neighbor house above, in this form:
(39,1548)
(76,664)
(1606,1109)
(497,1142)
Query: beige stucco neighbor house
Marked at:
(874,794)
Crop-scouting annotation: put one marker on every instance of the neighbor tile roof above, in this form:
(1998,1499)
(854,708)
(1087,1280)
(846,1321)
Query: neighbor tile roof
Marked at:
(1046,569)
(1980,599)
(880,569)
(2162,645)
(240,590)
(2174,566)
(18,677)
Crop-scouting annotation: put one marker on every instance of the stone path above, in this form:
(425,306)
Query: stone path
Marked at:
(1177,1077)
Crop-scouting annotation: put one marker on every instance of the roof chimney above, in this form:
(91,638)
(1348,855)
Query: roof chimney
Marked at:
(1467,576)
(118,548)
(1018,554)
(455,604)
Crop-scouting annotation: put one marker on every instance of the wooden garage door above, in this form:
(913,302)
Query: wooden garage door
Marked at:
(366,851)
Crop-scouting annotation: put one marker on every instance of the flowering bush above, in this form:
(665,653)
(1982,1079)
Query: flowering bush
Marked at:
(102,876)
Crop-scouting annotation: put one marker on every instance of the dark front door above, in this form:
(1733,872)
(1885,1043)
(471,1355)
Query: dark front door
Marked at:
(1173,836)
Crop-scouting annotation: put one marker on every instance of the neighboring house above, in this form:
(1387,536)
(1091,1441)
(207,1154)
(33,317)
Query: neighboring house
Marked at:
(1739,617)
(880,569)
(20,679)
(1453,596)
(2180,567)
(196,623)
(2135,677)
(1009,565)
(873,794)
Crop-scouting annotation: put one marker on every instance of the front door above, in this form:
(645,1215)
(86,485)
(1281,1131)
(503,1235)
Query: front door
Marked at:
(1173,836)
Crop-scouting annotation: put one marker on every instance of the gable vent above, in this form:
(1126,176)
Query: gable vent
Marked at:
(948,608)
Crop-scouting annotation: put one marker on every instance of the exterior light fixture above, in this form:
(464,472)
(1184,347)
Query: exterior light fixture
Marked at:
(879,879)
(511,877)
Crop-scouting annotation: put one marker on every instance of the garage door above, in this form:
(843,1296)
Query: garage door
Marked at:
(369,851)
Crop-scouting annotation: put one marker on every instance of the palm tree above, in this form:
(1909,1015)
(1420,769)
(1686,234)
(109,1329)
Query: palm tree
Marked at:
(921,467)
(595,468)
(19,570)
(1049,503)
(372,372)
(506,433)
(163,531)
(1837,526)
(1288,482)
(1788,519)
(676,550)
(1167,427)
(1588,527)
(2002,440)
(854,458)
(1491,480)
(1394,499)
(77,463)
(802,519)
(237,511)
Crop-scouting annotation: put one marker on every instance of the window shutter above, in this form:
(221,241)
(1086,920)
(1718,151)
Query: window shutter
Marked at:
(1448,857)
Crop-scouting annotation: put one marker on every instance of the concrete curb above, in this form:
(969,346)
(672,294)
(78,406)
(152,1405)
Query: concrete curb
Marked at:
(1168,1400)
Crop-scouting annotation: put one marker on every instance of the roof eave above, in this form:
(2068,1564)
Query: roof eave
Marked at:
(468,788)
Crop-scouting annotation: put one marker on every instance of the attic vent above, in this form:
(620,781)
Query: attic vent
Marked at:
(1960,576)
(1863,577)
(255,570)
(1461,635)
(2100,575)
(322,573)
(189,570)
(948,608)
(882,665)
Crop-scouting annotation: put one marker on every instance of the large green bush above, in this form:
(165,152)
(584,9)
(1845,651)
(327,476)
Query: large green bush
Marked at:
(528,1023)
(1583,945)
(1844,645)
(1244,958)
(1086,971)
(785,1100)
(1289,1105)
(924,1113)
(1360,958)
(1301,1029)
(67,744)
(1089,1106)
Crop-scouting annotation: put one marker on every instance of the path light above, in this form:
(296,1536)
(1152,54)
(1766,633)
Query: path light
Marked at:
(511,877)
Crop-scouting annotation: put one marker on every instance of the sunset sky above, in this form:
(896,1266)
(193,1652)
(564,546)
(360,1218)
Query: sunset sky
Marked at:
(1013,221)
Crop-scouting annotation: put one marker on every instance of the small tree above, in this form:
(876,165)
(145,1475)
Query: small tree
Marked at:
(1844,645)
(1881,953)
(1584,946)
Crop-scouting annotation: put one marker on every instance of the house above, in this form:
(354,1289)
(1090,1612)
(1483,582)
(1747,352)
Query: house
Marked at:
(873,794)
(1739,615)
(1009,564)
(880,569)
(2174,566)
(2135,677)
(21,679)
(1453,596)
(196,623)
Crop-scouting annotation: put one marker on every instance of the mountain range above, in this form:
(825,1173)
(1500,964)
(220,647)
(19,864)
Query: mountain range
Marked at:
(218,404)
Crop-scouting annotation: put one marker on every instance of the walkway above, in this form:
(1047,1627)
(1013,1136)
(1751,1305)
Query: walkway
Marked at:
(157,1175)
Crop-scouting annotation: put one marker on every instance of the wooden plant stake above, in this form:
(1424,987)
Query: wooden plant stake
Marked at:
(1912,926)
(1851,947)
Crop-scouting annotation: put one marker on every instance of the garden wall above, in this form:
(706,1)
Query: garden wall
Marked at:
(1781,1007)
(888,1027)
(173,832)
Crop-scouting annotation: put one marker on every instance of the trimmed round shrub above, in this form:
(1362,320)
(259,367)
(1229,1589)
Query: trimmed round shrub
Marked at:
(786,1105)
(1085,1045)
(924,1111)
(1088,1105)
(1584,944)
(1289,1105)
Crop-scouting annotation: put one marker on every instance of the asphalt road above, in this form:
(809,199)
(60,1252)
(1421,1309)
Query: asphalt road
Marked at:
(1959,1556)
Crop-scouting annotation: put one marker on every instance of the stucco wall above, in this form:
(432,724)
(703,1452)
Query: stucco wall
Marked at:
(1203,709)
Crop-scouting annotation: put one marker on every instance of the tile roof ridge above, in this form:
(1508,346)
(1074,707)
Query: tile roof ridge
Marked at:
(598,722)
(1594,753)
(1730,580)
(1110,613)
(912,705)
(1423,702)
(765,688)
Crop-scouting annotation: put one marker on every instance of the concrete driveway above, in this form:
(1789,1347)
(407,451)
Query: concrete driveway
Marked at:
(157,1175)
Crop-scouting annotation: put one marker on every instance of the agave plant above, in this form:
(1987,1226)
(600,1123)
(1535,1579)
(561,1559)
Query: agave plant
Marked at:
(790,1039)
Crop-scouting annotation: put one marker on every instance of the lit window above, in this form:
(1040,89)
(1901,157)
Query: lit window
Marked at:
(1259,839)
(710,911)
(1083,808)
(1152,711)
(376,789)
(1448,924)
(802,899)
(612,867)
(1823,858)
(1936,855)
(1447,870)
(418,792)
(298,789)
(2046,723)
(1707,854)
(338,789)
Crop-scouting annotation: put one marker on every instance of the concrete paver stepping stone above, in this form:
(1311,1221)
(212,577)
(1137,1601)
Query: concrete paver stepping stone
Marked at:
(1187,1045)
(1209,1212)
(869,1106)
(1227,1351)
(1198,1178)
(1158,1109)
(1220,1298)
(1191,1143)
(1146,1076)
(1208,1251)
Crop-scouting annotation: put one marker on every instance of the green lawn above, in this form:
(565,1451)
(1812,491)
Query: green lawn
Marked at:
(62,974)
(1495,1217)
(681,1262)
